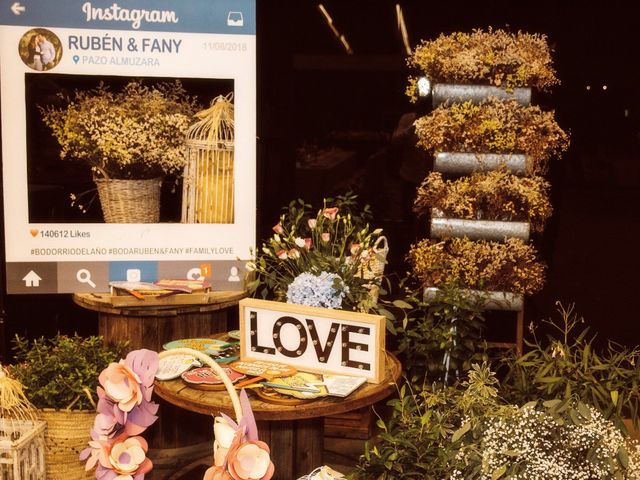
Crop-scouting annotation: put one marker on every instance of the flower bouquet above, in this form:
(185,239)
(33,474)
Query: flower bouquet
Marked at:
(319,260)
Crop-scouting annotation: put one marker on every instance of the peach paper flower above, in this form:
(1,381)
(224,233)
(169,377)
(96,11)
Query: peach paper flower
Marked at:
(250,461)
(216,473)
(223,433)
(129,457)
(122,385)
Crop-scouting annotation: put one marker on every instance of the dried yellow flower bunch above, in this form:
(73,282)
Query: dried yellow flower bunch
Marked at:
(491,57)
(510,266)
(495,195)
(135,133)
(493,126)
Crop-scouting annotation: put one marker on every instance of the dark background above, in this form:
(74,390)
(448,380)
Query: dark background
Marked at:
(312,94)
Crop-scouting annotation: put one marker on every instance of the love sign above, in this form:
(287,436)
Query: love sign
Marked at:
(313,339)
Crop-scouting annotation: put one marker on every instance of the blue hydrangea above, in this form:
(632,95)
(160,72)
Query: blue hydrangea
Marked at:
(317,290)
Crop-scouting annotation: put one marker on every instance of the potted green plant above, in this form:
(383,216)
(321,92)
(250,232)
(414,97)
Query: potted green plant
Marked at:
(490,205)
(497,272)
(59,375)
(130,139)
(504,64)
(465,137)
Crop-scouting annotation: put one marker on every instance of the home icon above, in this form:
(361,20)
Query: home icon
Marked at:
(235,19)
(32,279)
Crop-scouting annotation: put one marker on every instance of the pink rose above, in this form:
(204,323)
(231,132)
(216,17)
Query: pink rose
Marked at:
(278,228)
(325,237)
(281,254)
(330,213)
(308,243)
(122,385)
(312,222)
(250,461)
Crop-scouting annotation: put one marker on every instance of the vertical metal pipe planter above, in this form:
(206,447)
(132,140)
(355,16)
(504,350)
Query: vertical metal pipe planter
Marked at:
(478,229)
(507,301)
(441,92)
(459,163)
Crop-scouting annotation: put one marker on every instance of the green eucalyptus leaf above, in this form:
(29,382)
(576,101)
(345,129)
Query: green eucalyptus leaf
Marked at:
(623,457)
(499,472)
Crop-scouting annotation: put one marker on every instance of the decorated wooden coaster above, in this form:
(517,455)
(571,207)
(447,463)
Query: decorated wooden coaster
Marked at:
(269,395)
(174,366)
(300,385)
(261,370)
(204,378)
(209,346)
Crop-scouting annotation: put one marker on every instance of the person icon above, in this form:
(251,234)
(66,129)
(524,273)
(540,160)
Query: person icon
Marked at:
(233,275)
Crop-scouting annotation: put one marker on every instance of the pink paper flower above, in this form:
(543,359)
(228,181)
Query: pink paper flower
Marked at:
(312,222)
(250,461)
(124,411)
(277,228)
(330,213)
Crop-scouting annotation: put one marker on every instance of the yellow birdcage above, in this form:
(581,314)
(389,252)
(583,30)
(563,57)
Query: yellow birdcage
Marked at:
(22,446)
(208,189)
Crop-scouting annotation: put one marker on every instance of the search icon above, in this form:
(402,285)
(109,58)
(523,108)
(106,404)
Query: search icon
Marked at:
(84,276)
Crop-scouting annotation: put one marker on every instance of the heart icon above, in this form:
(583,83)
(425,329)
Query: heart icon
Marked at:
(34,232)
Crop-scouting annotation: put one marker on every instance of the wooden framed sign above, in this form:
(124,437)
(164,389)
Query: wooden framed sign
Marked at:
(313,339)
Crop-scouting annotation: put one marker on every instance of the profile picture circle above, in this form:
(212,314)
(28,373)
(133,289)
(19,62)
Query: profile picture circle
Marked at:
(40,49)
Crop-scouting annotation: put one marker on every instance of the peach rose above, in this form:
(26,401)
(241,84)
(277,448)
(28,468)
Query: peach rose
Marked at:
(294,253)
(250,461)
(330,213)
(325,237)
(122,385)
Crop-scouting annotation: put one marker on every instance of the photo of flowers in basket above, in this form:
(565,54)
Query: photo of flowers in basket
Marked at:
(116,149)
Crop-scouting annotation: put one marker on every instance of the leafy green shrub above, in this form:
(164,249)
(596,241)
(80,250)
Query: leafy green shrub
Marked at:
(565,364)
(61,372)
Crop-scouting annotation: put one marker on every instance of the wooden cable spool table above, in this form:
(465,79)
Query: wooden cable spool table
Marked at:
(179,436)
(294,433)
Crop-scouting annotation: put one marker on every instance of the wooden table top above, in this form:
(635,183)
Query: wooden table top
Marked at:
(178,393)
(101,302)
